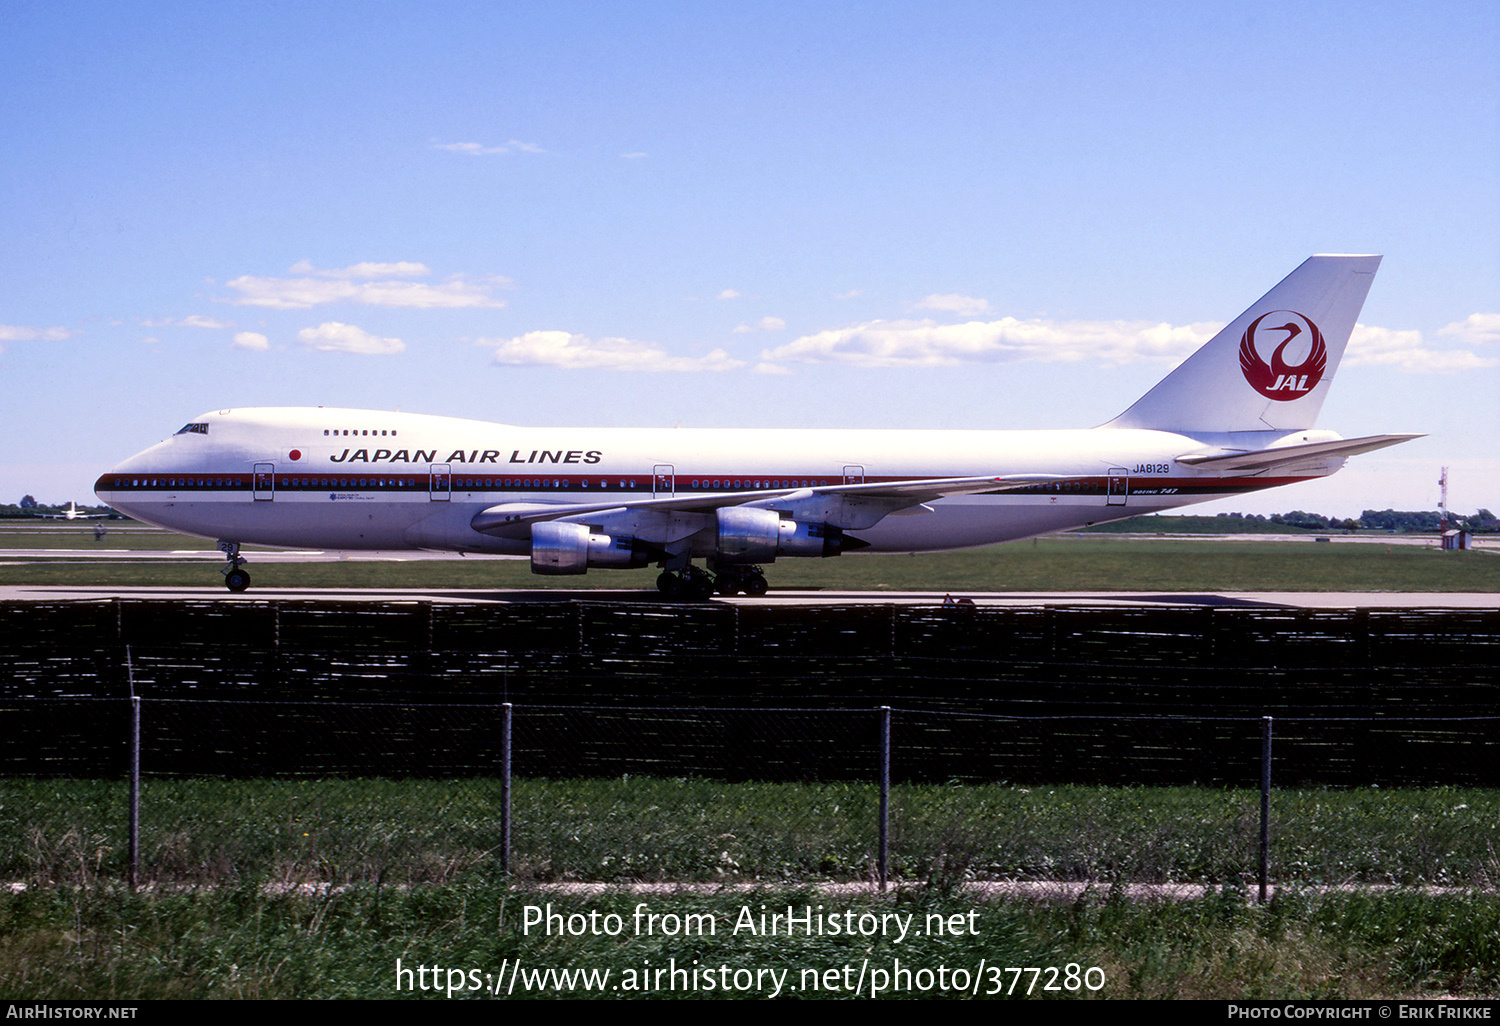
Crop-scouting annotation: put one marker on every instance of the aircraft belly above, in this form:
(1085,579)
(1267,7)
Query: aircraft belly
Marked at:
(286,522)
(963,523)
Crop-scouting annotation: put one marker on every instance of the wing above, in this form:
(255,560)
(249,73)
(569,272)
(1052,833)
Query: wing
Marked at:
(881,497)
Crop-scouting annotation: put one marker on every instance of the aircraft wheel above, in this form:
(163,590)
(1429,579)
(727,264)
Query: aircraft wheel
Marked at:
(702,589)
(727,585)
(669,584)
(756,586)
(237,580)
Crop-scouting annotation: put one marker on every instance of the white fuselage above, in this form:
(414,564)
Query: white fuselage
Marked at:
(357,479)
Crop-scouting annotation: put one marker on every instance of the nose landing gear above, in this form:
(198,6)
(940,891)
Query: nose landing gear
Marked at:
(235,579)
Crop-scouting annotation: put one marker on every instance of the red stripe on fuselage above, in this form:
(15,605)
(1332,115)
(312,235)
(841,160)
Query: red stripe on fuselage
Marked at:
(617,483)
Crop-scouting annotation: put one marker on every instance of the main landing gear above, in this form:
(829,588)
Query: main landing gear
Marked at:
(734,579)
(235,579)
(688,583)
(698,585)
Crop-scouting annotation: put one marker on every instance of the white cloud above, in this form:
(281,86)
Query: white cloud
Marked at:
(964,306)
(730,294)
(200,321)
(928,344)
(472,149)
(341,286)
(851,294)
(764,324)
(22,333)
(1406,351)
(469,149)
(334,337)
(190,321)
(633,155)
(578,352)
(365,269)
(252,340)
(1476,329)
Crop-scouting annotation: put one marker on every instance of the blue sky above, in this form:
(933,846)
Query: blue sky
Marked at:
(700,214)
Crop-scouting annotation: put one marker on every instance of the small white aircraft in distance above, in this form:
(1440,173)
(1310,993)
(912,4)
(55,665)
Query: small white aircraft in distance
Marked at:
(1236,416)
(73,513)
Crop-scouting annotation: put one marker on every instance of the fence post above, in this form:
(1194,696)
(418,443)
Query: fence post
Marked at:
(1265,806)
(132,868)
(505,716)
(885,796)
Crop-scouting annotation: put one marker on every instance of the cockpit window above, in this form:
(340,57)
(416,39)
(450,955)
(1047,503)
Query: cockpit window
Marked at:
(193,429)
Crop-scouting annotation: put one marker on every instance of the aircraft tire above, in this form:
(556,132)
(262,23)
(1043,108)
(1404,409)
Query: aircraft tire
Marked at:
(756,586)
(237,580)
(669,584)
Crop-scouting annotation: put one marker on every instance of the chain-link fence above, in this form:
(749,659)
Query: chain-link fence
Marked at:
(303,793)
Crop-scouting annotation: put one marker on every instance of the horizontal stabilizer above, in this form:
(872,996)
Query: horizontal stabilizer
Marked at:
(1286,455)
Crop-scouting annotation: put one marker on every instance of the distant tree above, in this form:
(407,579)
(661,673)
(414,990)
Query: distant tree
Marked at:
(1398,520)
(28,502)
(1484,520)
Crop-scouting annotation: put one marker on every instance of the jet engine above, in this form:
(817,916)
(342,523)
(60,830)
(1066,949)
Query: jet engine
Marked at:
(566,548)
(748,534)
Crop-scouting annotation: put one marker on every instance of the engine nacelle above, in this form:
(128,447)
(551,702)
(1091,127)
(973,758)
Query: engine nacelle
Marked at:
(564,548)
(748,534)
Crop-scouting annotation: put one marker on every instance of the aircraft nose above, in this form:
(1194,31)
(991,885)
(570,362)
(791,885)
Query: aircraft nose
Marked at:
(108,488)
(108,484)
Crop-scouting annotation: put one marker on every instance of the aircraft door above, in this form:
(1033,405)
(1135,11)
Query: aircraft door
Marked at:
(854,474)
(663,481)
(263,482)
(441,489)
(1119,487)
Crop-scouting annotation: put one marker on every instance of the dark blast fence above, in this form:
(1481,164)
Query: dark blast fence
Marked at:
(1065,695)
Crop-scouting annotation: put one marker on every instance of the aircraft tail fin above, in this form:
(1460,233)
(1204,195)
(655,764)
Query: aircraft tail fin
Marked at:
(1270,368)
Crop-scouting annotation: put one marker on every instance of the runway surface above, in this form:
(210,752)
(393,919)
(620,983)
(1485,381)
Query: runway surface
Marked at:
(1272,599)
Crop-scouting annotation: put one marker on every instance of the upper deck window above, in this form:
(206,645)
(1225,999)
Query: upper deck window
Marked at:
(193,429)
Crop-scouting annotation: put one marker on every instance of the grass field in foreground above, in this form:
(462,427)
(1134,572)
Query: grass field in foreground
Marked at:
(220,917)
(696,830)
(469,942)
(1066,563)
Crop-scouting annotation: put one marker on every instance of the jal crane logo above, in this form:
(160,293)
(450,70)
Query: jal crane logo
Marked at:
(1279,379)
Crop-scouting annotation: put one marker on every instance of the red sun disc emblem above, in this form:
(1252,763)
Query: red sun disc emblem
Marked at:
(1279,379)
(295,454)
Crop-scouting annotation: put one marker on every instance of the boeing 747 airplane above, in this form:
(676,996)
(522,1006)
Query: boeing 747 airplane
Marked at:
(1236,416)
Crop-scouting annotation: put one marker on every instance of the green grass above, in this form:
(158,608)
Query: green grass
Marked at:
(1169,524)
(1070,563)
(134,537)
(246,942)
(221,915)
(674,830)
